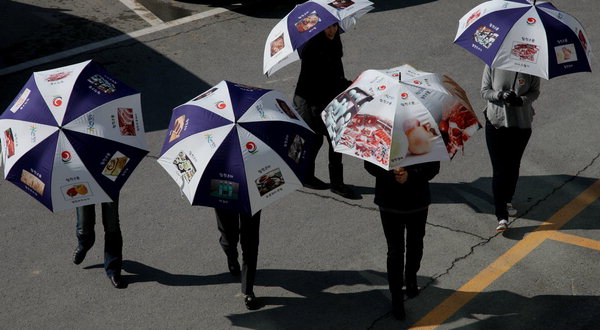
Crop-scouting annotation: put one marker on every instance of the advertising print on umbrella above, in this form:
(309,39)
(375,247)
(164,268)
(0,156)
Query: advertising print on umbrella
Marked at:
(400,117)
(236,147)
(72,136)
(304,22)
(531,37)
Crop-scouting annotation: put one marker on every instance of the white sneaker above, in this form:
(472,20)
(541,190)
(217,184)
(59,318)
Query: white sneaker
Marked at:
(511,210)
(502,226)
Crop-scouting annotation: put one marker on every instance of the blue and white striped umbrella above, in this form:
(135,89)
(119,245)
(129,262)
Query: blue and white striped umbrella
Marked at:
(531,37)
(305,21)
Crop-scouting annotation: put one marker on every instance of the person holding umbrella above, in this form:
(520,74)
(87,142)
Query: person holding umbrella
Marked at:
(237,227)
(321,80)
(509,114)
(403,197)
(113,240)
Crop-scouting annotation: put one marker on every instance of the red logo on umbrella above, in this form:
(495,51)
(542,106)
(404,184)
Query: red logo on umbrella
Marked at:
(404,95)
(251,146)
(382,87)
(221,105)
(531,21)
(66,157)
(57,101)
(417,82)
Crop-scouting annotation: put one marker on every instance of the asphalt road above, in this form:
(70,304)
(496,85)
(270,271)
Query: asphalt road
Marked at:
(321,258)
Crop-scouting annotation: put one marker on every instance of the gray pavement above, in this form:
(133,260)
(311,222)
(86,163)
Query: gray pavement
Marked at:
(321,258)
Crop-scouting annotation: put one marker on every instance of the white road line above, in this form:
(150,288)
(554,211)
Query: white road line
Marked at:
(110,41)
(142,12)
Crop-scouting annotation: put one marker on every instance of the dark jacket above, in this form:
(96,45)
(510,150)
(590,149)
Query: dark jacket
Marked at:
(413,195)
(321,72)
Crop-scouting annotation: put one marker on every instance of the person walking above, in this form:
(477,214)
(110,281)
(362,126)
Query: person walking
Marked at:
(403,198)
(509,114)
(243,228)
(113,239)
(321,80)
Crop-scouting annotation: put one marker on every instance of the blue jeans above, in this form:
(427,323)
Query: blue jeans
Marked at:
(113,241)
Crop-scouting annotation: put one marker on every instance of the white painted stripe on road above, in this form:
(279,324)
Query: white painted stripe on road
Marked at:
(142,12)
(110,41)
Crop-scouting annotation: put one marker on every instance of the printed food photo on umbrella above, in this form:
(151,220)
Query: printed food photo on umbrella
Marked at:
(236,147)
(532,37)
(399,117)
(305,21)
(72,136)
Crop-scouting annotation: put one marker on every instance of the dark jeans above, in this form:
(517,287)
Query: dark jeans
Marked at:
(506,146)
(113,241)
(244,228)
(312,116)
(394,226)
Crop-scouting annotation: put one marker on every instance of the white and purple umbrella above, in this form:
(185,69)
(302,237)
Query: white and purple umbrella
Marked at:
(305,21)
(72,136)
(531,37)
(236,147)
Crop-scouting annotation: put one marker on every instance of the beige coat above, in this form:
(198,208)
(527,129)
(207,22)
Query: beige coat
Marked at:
(502,115)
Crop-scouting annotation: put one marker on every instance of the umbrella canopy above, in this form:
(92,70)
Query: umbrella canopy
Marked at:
(236,147)
(399,117)
(532,37)
(72,136)
(304,22)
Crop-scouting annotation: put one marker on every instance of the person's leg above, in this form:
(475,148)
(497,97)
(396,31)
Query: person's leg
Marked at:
(113,239)
(306,112)
(249,240)
(86,220)
(415,232)
(393,229)
(228,223)
(497,145)
(518,141)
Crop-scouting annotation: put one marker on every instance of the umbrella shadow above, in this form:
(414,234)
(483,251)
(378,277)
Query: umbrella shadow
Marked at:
(136,64)
(318,300)
(531,190)
(504,309)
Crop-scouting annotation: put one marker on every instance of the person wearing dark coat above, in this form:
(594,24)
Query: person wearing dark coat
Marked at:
(243,228)
(403,198)
(321,80)
(113,239)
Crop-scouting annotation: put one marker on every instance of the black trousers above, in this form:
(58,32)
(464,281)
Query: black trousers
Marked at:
(243,228)
(312,116)
(506,146)
(113,240)
(394,227)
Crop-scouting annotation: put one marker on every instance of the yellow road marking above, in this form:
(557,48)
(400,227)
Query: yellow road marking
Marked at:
(501,265)
(576,240)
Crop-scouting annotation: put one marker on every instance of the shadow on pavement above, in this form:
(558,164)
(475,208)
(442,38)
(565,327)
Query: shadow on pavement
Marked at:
(530,191)
(163,83)
(144,273)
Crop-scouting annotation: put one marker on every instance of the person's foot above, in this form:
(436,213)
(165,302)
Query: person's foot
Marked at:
(315,183)
(117,281)
(511,210)
(251,302)
(398,311)
(234,267)
(412,288)
(344,191)
(79,255)
(502,225)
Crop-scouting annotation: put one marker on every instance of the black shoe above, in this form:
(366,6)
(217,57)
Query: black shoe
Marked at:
(117,281)
(234,267)
(412,289)
(344,191)
(79,255)
(398,311)
(251,302)
(315,183)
